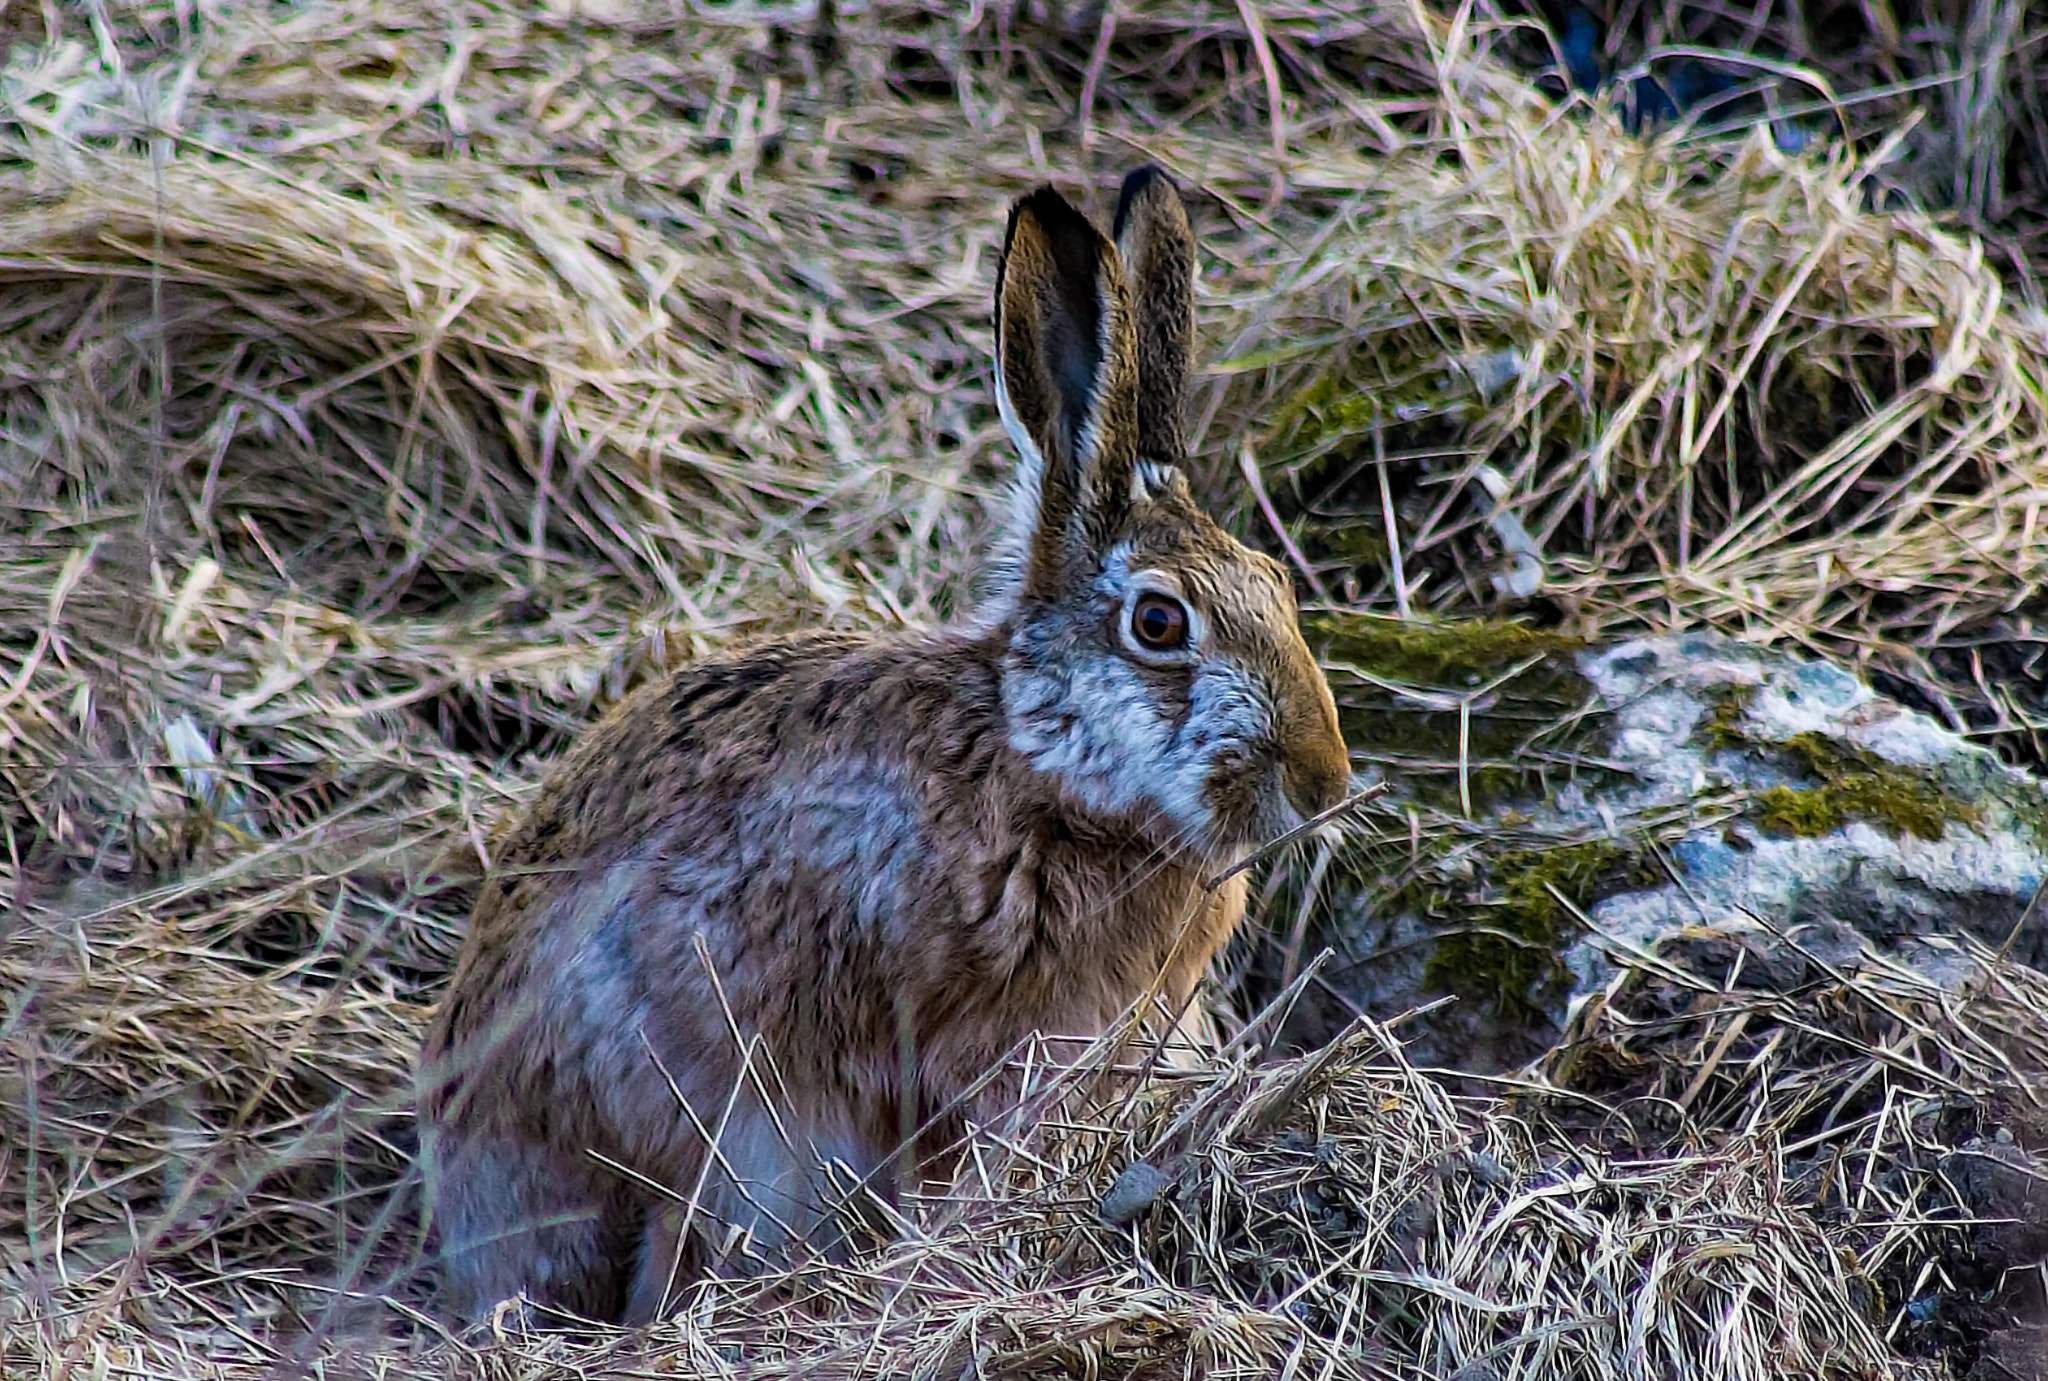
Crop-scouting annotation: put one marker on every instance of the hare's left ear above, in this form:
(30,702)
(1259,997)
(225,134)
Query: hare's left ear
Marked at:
(1066,384)
(1158,249)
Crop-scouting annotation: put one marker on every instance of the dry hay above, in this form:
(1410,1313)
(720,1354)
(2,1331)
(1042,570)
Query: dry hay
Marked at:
(1966,76)
(382,389)
(1335,1215)
(1770,1211)
(1902,1093)
(1740,400)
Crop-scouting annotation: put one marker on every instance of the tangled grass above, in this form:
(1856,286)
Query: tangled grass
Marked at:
(383,389)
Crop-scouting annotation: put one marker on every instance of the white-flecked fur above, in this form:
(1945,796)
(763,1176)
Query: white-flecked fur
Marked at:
(1150,478)
(1012,545)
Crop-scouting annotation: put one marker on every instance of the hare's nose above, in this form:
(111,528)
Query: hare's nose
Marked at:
(1318,779)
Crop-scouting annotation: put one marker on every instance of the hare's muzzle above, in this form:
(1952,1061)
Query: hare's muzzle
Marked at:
(1318,784)
(1315,767)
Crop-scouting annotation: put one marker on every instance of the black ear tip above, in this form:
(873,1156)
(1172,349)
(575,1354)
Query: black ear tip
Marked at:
(1135,183)
(1054,213)
(1070,236)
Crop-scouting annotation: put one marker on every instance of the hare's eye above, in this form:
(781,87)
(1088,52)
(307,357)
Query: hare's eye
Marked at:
(1159,623)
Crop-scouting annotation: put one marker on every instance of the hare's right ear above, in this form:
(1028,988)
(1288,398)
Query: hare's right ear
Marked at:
(1066,384)
(1158,249)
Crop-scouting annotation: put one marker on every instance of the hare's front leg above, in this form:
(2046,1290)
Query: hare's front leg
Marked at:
(667,1262)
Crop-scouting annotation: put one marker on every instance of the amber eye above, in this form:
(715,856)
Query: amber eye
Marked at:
(1159,623)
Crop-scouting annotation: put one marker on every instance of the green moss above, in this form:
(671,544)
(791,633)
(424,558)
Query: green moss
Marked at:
(1357,541)
(2025,807)
(1398,682)
(1807,814)
(1529,875)
(1333,406)
(1824,809)
(1512,955)
(1856,785)
(1721,726)
(1456,655)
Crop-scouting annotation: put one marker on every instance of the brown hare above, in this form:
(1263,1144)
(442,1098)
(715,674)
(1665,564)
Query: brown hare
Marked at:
(796,898)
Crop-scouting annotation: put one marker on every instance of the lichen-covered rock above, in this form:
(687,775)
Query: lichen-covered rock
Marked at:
(1862,814)
(1565,805)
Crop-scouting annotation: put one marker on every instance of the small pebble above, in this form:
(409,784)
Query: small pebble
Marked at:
(1135,1190)
(1488,1170)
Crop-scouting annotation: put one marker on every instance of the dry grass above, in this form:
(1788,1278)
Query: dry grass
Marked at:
(1966,76)
(1743,401)
(382,388)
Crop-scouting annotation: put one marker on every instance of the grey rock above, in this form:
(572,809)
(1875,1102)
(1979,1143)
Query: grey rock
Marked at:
(1856,883)
(1136,1189)
(1687,741)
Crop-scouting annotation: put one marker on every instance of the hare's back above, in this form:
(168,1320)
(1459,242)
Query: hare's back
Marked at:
(709,736)
(761,810)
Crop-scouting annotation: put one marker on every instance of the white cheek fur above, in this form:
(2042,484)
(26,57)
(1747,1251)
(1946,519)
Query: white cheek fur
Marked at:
(1095,729)
(1229,712)
(1100,733)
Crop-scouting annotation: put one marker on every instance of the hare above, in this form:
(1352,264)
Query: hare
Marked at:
(787,903)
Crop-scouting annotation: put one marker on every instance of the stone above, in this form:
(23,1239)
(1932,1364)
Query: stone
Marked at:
(1766,813)
(1133,1193)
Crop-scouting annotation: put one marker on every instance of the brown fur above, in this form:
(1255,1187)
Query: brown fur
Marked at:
(1154,239)
(752,890)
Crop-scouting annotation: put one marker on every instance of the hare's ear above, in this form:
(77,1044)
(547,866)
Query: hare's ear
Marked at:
(1158,249)
(1066,383)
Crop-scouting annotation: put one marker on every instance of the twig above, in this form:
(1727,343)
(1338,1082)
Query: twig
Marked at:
(1098,58)
(1249,464)
(1300,831)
